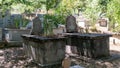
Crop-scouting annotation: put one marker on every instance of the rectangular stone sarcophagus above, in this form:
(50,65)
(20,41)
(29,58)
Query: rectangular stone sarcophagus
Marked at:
(90,45)
(15,34)
(45,51)
(13,37)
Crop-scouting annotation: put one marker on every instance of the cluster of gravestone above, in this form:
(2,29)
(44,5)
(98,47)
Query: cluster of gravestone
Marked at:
(10,35)
(44,50)
(87,44)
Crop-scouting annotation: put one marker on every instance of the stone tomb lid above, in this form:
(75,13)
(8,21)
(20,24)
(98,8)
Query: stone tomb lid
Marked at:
(87,35)
(41,38)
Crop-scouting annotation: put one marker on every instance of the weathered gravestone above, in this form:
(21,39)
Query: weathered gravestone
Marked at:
(37,28)
(71,25)
(102,25)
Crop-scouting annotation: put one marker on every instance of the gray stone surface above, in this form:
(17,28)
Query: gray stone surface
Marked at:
(37,27)
(71,25)
(15,34)
(1,34)
(90,45)
(46,52)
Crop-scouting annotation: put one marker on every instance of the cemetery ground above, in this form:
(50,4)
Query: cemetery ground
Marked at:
(15,58)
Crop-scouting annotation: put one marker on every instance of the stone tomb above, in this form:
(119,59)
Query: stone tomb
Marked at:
(47,52)
(90,45)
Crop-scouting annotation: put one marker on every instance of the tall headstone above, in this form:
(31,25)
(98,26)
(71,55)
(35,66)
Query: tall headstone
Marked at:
(37,28)
(71,25)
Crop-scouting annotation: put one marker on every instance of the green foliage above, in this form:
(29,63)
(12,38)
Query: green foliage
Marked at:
(20,22)
(52,21)
(103,5)
(92,11)
(91,8)
(21,5)
(17,23)
(52,4)
(67,7)
(113,12)
(24,22)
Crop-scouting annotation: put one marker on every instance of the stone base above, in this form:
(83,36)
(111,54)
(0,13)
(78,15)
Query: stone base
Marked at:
(45,50)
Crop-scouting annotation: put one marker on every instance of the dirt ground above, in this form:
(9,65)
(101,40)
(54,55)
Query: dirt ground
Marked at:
(8,60)
(110,62)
